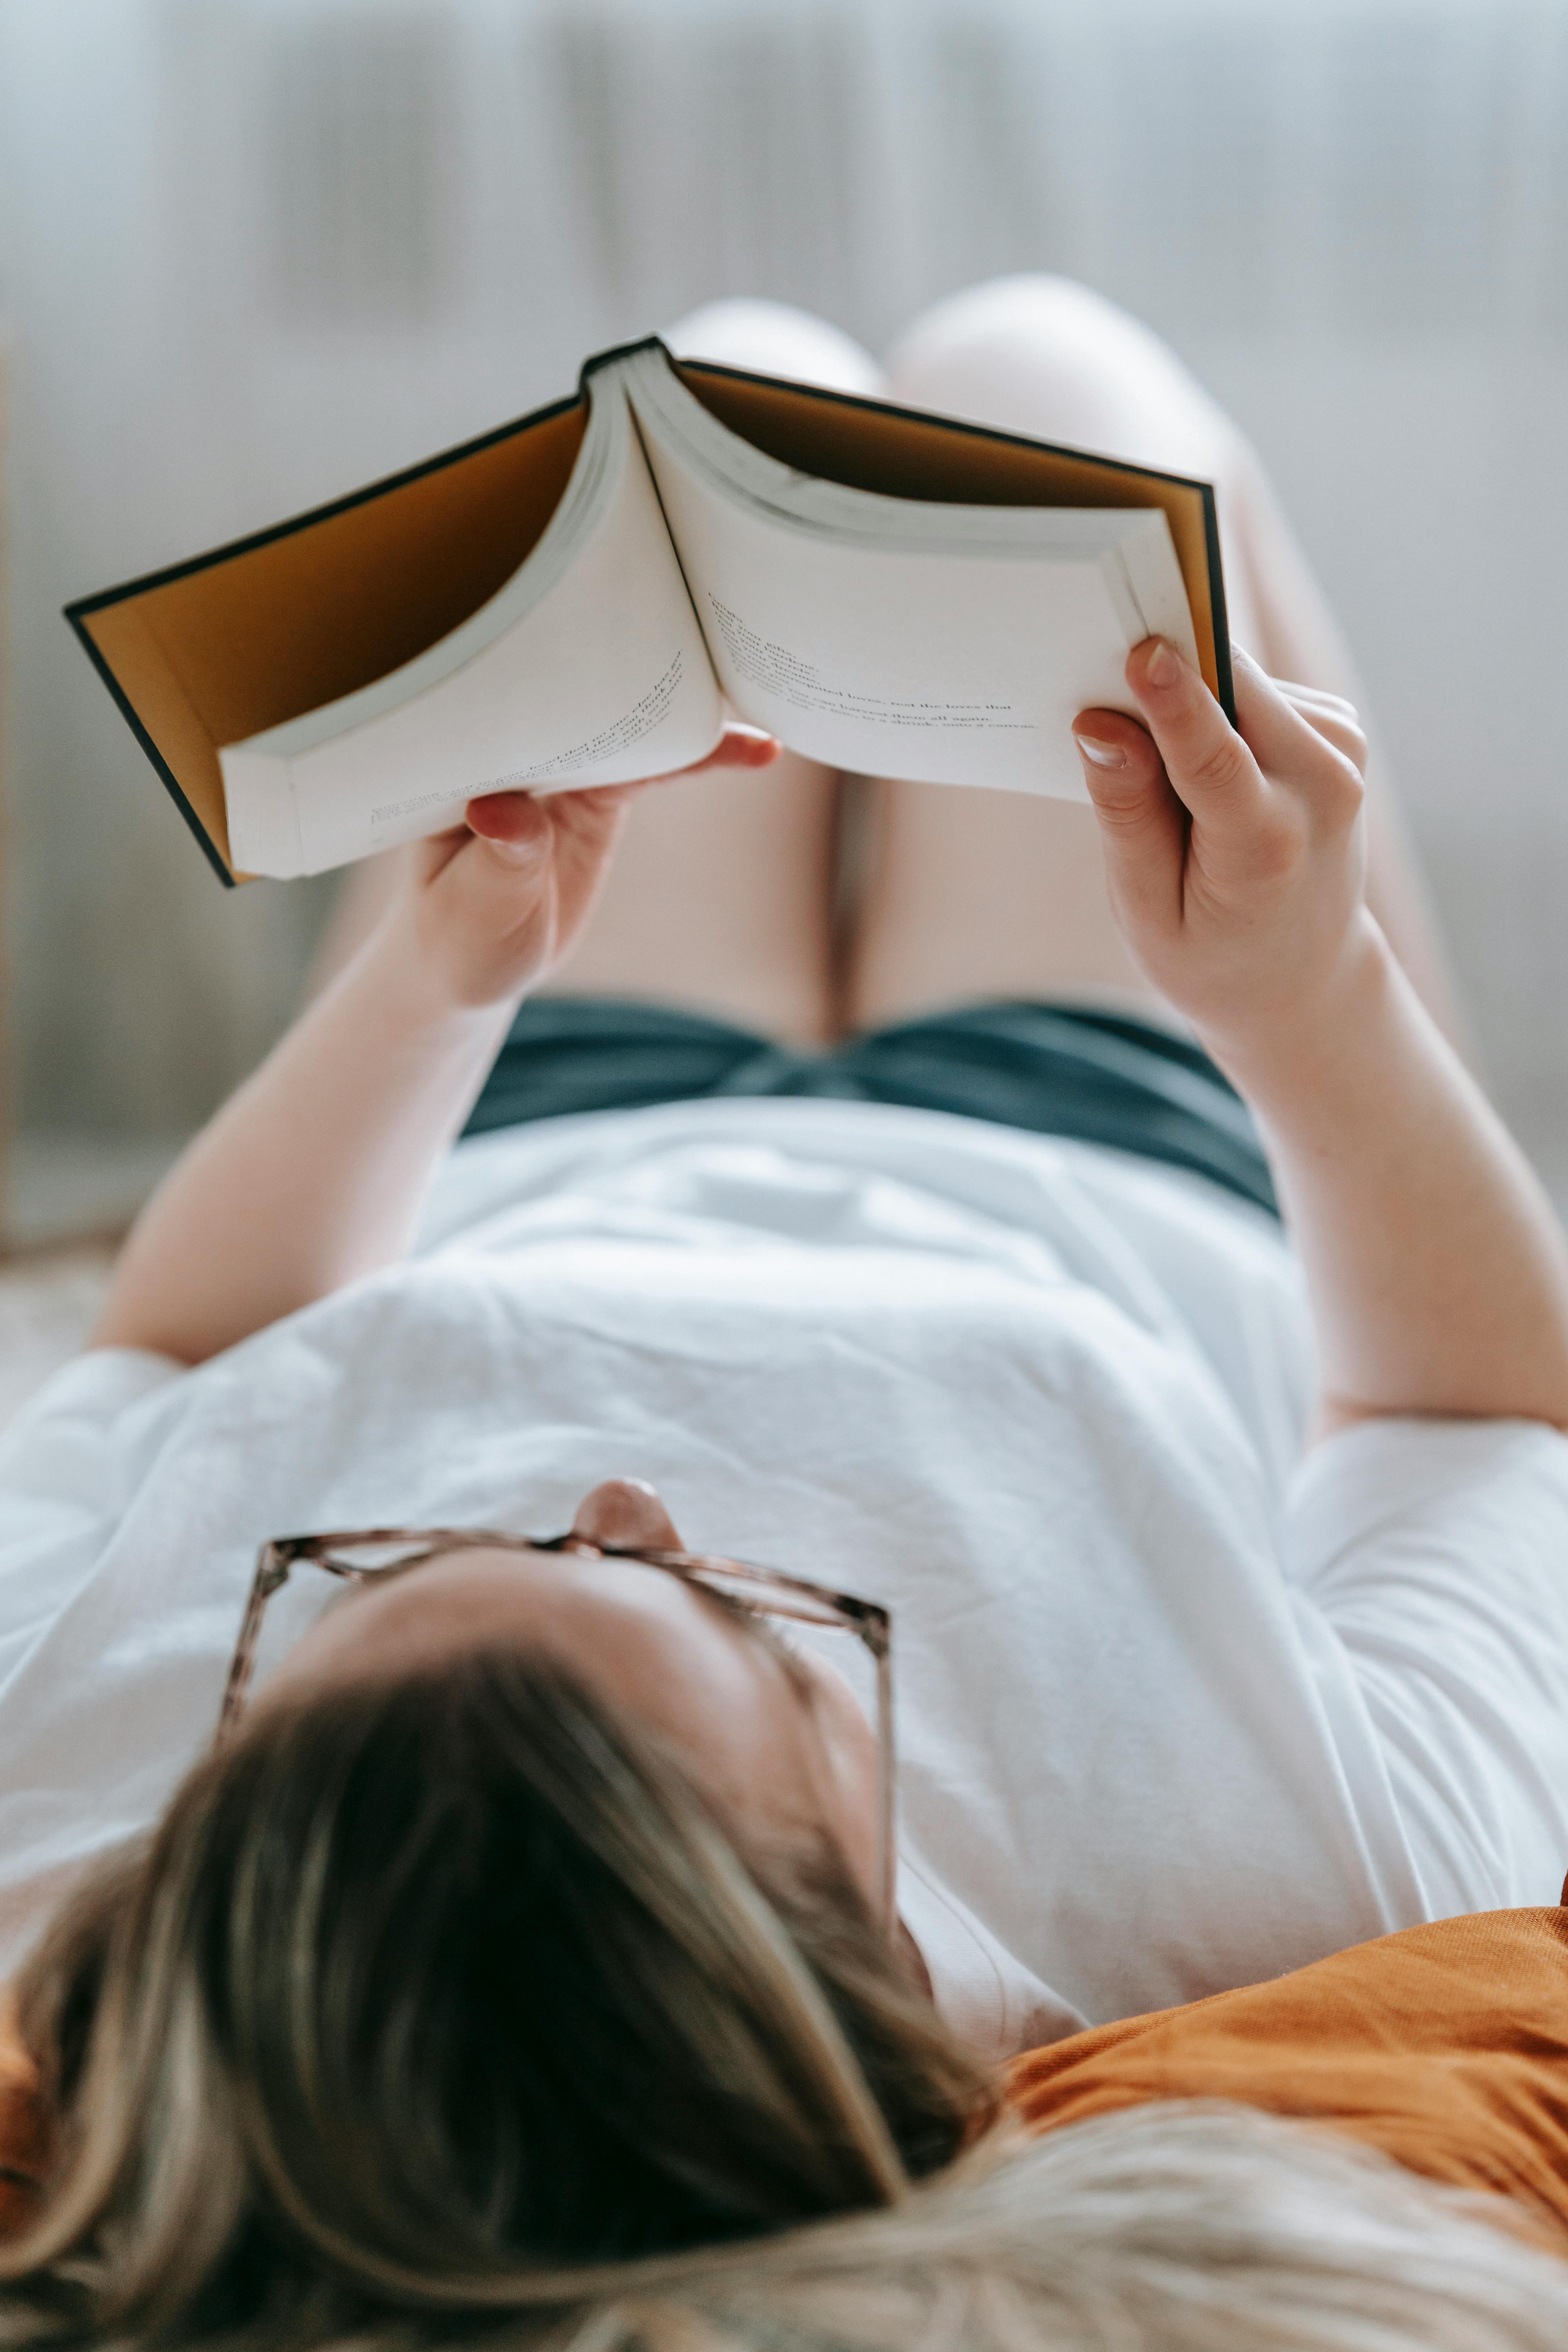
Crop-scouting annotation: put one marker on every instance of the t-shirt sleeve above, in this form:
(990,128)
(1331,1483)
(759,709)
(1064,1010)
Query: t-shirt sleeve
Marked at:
(1431,1563)
(69,1463)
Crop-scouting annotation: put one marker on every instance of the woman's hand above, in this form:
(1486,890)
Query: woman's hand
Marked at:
(1235,861)
(1438,1275)
(312,1174)
(493,905)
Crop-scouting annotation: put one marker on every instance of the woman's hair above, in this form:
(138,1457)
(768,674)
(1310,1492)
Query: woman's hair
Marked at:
(423,1990)
(443,2013)
(1186,2227)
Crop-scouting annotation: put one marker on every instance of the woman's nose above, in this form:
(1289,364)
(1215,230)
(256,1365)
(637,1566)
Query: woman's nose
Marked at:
(627,1511)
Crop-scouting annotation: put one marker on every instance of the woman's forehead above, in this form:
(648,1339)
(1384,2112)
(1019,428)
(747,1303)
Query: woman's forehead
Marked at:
(609,1619)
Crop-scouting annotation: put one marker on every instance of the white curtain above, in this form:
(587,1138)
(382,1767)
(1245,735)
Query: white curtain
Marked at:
(253,252)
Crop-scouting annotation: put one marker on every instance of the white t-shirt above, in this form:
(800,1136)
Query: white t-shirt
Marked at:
(1176,1710)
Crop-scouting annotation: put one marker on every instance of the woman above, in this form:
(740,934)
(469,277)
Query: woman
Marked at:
(534,1907)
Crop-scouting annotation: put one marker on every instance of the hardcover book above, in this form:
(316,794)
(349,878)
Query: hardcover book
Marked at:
(581,596)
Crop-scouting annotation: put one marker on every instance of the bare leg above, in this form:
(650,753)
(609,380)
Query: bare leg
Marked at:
(1298,638)
(994,894)
(718,900)
(775,339)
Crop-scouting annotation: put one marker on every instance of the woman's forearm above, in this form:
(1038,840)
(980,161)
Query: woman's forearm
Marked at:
(313,1172)
(1437,1272)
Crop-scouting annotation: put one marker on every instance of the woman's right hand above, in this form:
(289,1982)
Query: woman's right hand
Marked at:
(1234,859)
(319,1162)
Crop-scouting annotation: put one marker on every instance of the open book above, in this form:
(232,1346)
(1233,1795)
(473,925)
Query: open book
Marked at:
(575,599)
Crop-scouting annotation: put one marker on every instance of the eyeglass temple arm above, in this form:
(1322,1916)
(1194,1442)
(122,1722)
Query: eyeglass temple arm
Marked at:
(272,1570)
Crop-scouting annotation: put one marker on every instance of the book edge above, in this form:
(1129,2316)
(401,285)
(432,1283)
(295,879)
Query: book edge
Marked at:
(1223,667)
(229,876)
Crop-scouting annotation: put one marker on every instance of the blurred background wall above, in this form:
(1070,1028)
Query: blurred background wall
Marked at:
(255,252)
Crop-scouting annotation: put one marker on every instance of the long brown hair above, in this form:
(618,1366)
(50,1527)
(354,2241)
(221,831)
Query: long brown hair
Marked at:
(423,1993)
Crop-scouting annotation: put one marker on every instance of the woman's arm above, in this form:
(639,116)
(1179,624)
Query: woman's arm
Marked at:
(1438,1274)
(314,1171)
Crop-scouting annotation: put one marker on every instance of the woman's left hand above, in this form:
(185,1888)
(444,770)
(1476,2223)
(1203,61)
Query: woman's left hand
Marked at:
(493,905)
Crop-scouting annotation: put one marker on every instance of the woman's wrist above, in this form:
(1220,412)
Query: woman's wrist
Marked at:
(402,988)
(1277,1053)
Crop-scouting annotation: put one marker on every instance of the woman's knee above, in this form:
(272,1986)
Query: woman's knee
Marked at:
(776,339)
(1046,356)
(1051,358)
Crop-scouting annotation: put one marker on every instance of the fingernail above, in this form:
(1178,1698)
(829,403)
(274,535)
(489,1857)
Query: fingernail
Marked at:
(1103,754)
(516,853)
(1161,668)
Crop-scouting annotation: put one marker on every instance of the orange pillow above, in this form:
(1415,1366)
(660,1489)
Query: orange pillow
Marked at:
(1446,2047)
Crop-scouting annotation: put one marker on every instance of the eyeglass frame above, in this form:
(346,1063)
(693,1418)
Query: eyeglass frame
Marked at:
(868,1621)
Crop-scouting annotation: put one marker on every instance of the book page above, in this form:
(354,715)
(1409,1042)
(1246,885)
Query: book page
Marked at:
(587,668)
(945,644)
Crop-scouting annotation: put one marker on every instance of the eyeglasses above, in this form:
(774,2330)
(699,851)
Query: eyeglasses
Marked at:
(374,1555)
